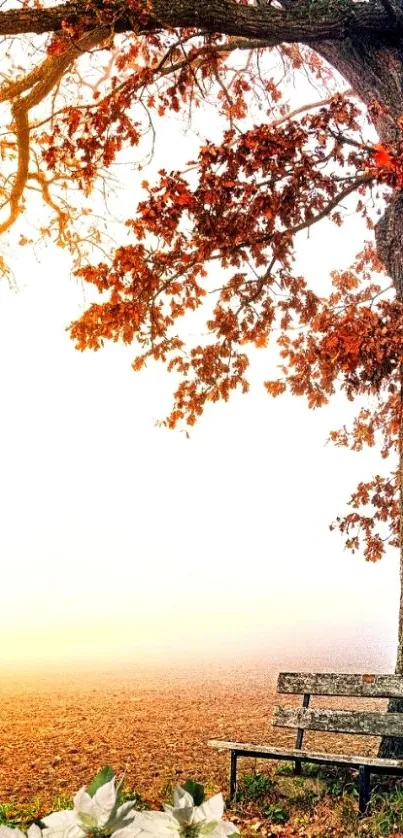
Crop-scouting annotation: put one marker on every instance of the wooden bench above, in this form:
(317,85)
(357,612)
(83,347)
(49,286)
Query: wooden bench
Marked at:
(339,721)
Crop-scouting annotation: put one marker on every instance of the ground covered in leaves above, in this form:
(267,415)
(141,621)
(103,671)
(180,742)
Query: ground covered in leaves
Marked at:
(57,730)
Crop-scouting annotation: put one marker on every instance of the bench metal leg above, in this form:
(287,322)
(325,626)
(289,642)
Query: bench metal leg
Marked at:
(298,767)
(364,781)
(232,782)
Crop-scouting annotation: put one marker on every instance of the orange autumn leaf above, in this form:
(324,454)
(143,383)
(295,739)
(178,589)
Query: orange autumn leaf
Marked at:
(383,157)
(351,343)
(275,388)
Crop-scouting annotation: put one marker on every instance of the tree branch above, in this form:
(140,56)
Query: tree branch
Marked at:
(41,81)
(306,22)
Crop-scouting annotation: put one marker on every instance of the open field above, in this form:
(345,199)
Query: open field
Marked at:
(56,731)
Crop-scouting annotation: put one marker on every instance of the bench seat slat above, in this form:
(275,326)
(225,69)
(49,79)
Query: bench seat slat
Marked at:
(371,686)
(340,721)
(249,748)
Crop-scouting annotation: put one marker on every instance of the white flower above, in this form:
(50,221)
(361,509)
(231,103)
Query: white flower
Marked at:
(185,819)
(14,832)
(99,814)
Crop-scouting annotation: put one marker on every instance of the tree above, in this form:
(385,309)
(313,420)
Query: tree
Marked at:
(240,204)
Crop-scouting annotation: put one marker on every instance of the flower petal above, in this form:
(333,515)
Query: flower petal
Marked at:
(11,832)
(62,824)
(211,810)
(127,832)
(155,823)
(105,798)
(182,799)
(220,829)
(124,809)
(61,819)
(82,801)
(89,823)
(185,815)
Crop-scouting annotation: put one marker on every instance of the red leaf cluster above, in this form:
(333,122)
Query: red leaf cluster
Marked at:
(239,207)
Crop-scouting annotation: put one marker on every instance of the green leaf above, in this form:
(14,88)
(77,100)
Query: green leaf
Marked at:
(196,790)
(104,775)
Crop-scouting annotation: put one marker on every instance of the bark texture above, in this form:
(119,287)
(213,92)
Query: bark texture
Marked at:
(304,21)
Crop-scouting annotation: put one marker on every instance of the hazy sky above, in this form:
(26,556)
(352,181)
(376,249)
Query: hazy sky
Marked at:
(120,540)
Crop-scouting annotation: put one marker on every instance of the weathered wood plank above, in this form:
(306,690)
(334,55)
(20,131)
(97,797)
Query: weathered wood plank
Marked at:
(300,732)
(342,721)
(373,686)
(355,760)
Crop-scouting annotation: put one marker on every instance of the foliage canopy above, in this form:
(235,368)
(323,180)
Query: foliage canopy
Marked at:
(85,81)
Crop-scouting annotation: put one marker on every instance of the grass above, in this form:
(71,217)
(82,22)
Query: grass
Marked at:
(320,803)
(387,811)
(8,816)
(22,815)
(254,786)
(127,794)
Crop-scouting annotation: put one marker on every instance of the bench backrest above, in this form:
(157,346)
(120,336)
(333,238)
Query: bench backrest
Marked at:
(340,721)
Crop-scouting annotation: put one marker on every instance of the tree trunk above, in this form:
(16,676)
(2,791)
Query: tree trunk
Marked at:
(389,239)
(375,72)
(392,746)
(399,660)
